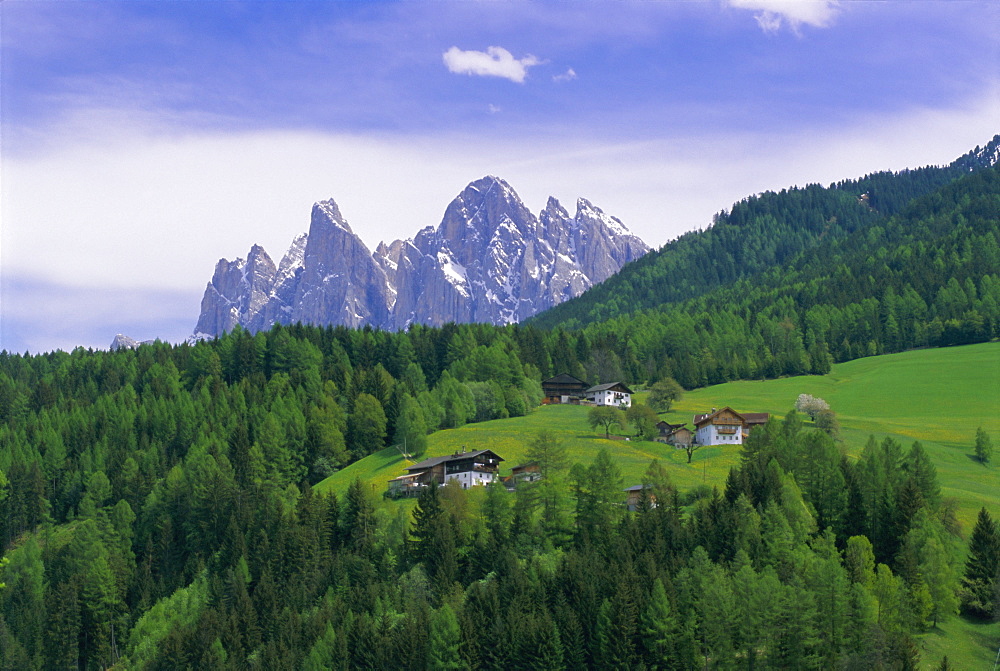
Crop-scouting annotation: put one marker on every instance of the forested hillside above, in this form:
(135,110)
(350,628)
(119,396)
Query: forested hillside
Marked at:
(157,514)
(758,234)
(157,510)
(929,276)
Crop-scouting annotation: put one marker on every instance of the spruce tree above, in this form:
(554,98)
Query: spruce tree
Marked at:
(982,567)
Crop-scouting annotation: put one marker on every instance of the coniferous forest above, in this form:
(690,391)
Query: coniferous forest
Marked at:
(157,506)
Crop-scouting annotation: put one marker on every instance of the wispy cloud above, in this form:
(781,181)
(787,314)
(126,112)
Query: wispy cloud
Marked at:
(569,75)
(772,15)
(494,62)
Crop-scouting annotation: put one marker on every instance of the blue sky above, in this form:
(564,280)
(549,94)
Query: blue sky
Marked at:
(142,141)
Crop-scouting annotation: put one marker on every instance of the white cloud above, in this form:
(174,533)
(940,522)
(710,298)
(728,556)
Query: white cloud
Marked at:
(569,75)
(773,14)
(494,62)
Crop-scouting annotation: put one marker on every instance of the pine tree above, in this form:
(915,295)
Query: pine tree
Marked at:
(433,539)
(982,567)
(358,517)
(548,647)
(829,583)
(62,649)
(919,465)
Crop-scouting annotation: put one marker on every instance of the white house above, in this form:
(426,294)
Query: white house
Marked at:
(615,394)
(726,426)
(468,468)
(719,427)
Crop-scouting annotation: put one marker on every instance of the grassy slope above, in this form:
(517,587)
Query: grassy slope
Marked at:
(937,396)
(509,439)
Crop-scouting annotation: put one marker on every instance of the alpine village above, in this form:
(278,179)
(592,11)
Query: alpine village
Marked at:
(781,459)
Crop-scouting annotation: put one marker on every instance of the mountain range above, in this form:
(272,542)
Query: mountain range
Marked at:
(490,260)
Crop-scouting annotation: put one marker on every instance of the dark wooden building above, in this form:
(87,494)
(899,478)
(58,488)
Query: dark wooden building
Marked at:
(563,388)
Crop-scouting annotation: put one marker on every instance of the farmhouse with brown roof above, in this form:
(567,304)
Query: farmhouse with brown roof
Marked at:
(469,469)
(726,426)
(563,388)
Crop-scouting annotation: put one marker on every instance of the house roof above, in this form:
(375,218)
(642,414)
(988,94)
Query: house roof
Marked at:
(610,386)
(636,488)
(406,476)
(756,417)
(662,424)
(700,420)
(564,378)
(434,461)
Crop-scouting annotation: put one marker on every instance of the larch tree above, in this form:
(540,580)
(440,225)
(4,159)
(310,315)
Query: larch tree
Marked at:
(367,426)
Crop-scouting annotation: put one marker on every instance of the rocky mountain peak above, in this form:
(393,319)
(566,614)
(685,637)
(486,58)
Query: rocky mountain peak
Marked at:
(328,211)
(122,341)
(490,260)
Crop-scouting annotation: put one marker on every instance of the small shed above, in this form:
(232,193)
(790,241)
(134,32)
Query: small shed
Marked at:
(633,496)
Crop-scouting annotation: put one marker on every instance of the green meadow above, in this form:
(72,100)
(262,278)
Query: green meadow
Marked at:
(936,396)
(509,438)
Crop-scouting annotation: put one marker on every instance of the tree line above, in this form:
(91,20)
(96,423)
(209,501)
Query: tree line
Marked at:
(925,278)
(803,560)
(758,234)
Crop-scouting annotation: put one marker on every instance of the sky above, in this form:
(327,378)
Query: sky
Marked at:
(140,142)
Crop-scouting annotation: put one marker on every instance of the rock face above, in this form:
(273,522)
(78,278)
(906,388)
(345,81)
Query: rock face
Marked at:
(122,341)
(340,282)
(490,260)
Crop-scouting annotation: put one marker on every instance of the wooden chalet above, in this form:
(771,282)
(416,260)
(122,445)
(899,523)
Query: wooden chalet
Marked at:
(615,394)
(563,388)
(469,469)
(754,419)
(719,427)
(680,437)
(666,428)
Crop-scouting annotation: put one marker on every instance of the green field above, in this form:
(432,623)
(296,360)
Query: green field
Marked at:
(509,439)
(937,396)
